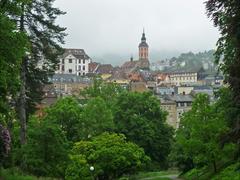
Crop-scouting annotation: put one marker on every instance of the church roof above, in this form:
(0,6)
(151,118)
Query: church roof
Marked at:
(143,44)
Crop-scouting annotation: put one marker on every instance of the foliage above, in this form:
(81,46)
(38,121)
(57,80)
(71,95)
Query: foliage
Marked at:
(107,91)
(197,139)
(97,118)
(110,154)
(231,172)
(12,48)
(225,15)
(45,154)
(79,122)
(38,19)
(66,113)
(138,116)
(193,62)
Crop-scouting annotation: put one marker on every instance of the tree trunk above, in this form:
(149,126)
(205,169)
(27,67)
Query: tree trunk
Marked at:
(22,97)
(214,166)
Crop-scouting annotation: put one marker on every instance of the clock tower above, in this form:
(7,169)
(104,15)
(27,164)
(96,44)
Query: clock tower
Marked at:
(143,48)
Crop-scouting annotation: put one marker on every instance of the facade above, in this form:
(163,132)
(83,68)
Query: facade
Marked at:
(69,84)
(170,107)
(184,89)
(182,103)
(177,78)
(74,61)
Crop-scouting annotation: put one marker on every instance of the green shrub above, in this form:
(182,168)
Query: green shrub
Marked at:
(232,172)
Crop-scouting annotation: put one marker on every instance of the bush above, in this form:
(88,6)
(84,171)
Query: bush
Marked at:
(109,154)
(231,172)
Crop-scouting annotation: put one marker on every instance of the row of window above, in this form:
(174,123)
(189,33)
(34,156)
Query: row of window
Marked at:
(183,78)
(79,68)
(71,60)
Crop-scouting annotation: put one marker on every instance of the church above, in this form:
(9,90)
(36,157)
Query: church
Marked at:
(143,60)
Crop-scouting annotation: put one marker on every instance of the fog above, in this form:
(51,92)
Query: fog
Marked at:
(110,30)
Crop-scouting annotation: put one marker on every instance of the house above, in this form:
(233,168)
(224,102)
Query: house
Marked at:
(138,86)
(170,107)
(183,103)
(73,61)
(176,78)
(69,84)
(162,90)
(183,89)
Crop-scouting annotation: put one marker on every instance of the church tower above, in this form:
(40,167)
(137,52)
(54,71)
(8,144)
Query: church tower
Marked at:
(143,48)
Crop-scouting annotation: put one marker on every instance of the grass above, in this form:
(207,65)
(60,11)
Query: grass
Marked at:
(151,175)
(13,174)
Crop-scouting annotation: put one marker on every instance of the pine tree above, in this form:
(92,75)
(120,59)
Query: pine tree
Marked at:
(37,20)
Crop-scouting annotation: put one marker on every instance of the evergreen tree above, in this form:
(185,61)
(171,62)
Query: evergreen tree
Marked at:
(37,20)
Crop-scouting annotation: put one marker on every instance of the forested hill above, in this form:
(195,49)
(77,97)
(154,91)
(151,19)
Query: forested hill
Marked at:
(193,62)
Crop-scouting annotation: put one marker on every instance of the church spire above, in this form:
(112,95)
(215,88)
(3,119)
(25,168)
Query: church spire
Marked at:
(143,39)
(143,47)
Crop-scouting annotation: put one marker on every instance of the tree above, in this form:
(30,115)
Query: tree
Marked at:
(139,117)
(46,153)
(37,20)
(110,154)
(197,139)
(67,114)
(13,45)
(107,91)
(97,118)
(225,15)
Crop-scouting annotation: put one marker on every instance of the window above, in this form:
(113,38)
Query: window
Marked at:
(83,68)
(83,73)
(79,74)
(70,70)
(79,68)
(70,60)
(83,61)
(79,61)
(62,61)
(182,104)
(62,67)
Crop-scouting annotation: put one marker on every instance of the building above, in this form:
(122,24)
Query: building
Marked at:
(170,107)
(183,89)
(176,78)
(69,84)
(143,48)
(142,62)
(74,61)
(182,103)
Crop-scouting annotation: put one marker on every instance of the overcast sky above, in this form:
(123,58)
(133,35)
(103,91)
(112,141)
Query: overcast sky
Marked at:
(113,27)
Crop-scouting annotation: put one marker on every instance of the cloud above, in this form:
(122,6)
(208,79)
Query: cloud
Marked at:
(115,26)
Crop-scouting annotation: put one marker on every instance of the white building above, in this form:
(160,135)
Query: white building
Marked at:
(177,78)
(73,61)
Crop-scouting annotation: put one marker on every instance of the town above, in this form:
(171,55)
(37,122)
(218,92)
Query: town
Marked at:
(119,90)
(175,88)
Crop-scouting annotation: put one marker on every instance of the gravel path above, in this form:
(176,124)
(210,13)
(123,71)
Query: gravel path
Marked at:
(171,176)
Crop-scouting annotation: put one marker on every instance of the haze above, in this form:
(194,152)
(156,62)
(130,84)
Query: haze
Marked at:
(110,30)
